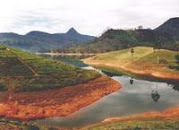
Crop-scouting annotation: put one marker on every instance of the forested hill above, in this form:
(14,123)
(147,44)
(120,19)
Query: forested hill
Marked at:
(170,27)
(165,36)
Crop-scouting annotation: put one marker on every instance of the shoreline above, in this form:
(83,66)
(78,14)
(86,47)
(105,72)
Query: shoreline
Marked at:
(167,114)
(62,102)
(170,114)
(150,74)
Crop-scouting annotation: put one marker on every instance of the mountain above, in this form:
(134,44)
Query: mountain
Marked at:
(170,27)
(165,36)
(120,39)
(40,41)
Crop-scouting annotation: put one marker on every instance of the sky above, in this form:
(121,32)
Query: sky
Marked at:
(91,17)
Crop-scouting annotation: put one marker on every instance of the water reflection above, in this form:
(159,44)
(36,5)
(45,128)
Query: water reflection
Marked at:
(131,81)
(155,95)
(143,96)
(175,86)
(148,95)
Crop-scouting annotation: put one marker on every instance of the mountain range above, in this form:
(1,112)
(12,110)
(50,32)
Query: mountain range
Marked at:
(36,41)
(165,36)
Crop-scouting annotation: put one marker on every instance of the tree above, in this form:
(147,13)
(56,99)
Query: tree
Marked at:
(2,87)
(132,51)
(177,58)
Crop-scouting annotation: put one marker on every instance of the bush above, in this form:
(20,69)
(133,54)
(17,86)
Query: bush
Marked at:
(173,67)
(2,87)
(163,61)
(177,58)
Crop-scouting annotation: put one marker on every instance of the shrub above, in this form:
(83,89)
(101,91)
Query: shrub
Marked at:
(163,61)
(173,67)
(2,87)
(177,58)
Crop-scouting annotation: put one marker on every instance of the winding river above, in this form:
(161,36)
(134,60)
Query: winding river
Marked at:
(136,96)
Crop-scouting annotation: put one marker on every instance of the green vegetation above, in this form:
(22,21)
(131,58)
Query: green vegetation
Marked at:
(23,71)
(175,66)
(113,40)
(144,59)
(17,125)
(2,87)
(136,125)
(41,41)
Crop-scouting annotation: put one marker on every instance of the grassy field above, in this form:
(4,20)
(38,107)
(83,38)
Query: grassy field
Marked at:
(23,71)
(144,61)
(17,125)
(136,125)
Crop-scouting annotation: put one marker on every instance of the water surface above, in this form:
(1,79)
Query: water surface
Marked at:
(136,96)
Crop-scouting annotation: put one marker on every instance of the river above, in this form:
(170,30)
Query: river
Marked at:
(136,96)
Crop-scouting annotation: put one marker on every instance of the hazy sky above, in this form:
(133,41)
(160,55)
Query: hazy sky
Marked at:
(86,16)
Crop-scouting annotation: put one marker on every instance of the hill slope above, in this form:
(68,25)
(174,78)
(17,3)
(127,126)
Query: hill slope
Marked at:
(23,71)
(39,41)
(165,36)
(113,40)
(170,27)
(33,87)
(144,62)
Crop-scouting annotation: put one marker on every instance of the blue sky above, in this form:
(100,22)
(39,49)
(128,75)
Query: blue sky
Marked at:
(87,16)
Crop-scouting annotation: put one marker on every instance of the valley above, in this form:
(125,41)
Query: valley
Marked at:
(124,79)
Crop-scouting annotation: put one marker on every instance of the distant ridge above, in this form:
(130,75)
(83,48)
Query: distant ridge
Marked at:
(36,41)
(170,27)
(165,36)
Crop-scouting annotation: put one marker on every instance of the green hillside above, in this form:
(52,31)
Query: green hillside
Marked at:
(144,61)
(23,71)
(113,40)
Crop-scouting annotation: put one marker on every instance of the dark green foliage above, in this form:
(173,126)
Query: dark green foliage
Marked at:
(2,87)
(113,40)
(175,66)
(163,61)
(21,125)
(177,58)
(33,128)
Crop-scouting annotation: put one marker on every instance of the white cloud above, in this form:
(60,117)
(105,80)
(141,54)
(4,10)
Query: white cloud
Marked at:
(87,16)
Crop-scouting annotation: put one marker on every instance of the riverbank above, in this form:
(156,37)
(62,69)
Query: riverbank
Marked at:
(56,102)
(167,119)
(142,63)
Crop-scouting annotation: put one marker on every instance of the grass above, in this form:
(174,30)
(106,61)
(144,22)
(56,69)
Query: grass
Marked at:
(125,55)
(136,125)
(17,125)
(143,59)
(23,71)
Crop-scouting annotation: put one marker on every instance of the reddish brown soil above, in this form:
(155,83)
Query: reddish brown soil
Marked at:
(56,102)
(168,114)
(144,70)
